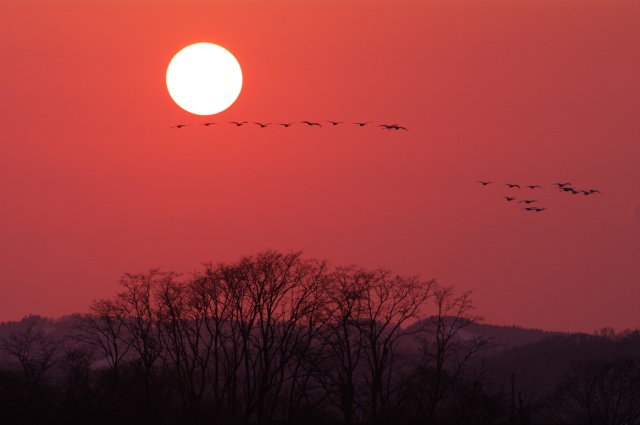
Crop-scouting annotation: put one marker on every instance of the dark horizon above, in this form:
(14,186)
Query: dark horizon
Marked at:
(277,338)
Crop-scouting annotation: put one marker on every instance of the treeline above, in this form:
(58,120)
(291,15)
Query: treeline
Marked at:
(274,338)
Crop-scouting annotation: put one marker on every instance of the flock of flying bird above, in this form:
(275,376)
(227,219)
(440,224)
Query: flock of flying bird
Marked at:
(562,187)
(289,124)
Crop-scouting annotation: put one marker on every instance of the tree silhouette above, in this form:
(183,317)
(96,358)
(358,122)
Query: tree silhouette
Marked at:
(444,352)
(35,352)
(346,292)
(598,392)
(391,301)
(140,322)
(103,328)
(278,338)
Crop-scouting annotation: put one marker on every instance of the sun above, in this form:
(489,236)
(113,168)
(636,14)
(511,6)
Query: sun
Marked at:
(204,79)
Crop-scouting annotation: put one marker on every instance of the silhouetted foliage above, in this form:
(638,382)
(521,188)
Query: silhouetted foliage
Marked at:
(599,393)
(278,338)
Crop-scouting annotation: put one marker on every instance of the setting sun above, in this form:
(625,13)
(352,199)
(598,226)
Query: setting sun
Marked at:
(204,79)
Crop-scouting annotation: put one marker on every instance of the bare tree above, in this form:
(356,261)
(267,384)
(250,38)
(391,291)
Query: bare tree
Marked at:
(346,292)
(602,392)
(143,335)
(186,349)
(279,294)
(299,347)
(103,329)
(444,347)
(234,324)
(209,302)
(76,363)
(34,350)
(475,400)
(390,302)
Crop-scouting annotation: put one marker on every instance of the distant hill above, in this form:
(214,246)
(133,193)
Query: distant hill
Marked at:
(58,328)
(537,360)
(504,337)
(508,337)
(516,349)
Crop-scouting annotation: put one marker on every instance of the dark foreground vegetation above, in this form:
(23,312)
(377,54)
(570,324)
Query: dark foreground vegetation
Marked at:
(277,338)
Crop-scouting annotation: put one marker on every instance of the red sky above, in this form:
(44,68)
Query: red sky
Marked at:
(95,183)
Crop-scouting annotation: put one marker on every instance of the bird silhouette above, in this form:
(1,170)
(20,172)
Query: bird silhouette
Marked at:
(262,125)
(207,124)
(511,186)
(534,186)
(179,126)
(484,183)
(392,126)
(539,209)
(509,198)
(335,122)
(590,191)
(238,124)
(561,185)
(286,124)
(362,124)
(529,208)
(309,123)
(528,201)
(569,189)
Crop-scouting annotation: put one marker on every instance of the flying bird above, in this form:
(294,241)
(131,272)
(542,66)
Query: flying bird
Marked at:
(509,198)
(529,208)
(392,126)
(362,124)
(569,189)
(539,209)
(335,122)
(262,125)
(534,186)
(179,126)
(561,185)
(484,183)
(511,186)
(286,124)
(238,124)
(528,201)
(207,124)
(309,123)
(590,191)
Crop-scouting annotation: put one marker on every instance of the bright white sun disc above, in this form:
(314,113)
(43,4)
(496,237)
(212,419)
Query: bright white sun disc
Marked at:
(204,79)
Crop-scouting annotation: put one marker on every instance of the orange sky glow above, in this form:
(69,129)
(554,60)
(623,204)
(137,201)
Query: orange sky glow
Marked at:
(95,183)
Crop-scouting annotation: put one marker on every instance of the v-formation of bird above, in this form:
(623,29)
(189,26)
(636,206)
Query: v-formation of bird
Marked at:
(289,124)
(562,187)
